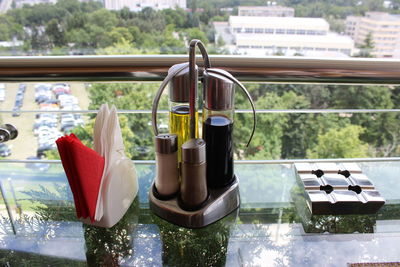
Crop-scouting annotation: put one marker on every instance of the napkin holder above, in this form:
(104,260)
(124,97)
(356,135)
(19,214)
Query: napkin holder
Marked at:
(119,194)
(102,194)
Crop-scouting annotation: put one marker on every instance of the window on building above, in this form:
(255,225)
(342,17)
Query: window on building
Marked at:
(259,30)
(311,32)
(345,51)
(269,30)
(301,32)
(280,31)
(291,31)
(248,30)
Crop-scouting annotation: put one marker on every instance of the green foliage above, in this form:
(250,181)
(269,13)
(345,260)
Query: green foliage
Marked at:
(82,28)
(55,206)
(107,246)
(340,143)
(196,33)
(367,47)
(382,129)
(126,97)
(55,33)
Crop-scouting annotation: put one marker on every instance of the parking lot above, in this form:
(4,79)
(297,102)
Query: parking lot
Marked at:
(27,144)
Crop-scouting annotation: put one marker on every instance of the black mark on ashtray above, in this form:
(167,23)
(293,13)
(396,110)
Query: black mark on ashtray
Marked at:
(355,188)
(345,173)
(318,172)
(327,188)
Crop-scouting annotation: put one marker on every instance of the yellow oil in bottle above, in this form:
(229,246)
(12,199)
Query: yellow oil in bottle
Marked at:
(179,124)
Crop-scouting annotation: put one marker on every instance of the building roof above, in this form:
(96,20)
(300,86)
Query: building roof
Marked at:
(266,7)
(281,22)
(382,16)
(330,38)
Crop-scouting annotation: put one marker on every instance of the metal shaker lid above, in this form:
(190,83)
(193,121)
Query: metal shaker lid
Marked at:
(179,85)
(166,143)
(219,91)
(194,151)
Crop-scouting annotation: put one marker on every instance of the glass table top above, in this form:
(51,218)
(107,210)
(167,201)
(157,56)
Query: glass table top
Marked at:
(38,225)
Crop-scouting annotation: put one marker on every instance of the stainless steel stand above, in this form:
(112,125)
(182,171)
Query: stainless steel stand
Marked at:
(220,203)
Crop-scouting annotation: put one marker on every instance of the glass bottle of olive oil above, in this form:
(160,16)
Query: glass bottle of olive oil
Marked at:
(179,116)
(179,123)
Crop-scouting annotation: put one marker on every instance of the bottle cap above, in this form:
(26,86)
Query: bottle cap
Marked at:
(194,151)
(179,86)
(166,143)
(219,92)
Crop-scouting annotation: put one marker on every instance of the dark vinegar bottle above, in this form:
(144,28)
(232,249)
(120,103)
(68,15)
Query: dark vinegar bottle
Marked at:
(217,131)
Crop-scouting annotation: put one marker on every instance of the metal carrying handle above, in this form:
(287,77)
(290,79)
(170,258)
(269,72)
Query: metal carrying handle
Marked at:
(230,77)
(193,78)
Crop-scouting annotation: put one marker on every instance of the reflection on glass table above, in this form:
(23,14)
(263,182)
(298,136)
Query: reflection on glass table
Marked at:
(38,225)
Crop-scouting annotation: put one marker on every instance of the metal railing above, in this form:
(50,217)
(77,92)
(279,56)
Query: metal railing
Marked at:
(247,69)
(154,68)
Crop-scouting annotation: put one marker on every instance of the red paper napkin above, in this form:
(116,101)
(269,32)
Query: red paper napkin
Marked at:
(84,169)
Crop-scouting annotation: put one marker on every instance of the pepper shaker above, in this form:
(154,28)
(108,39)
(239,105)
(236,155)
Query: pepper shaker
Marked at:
(194,182)
(167,176)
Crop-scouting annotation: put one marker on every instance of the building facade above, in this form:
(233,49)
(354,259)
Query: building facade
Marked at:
(137,5)
(266,11)
(384,29)
(287,35)
(20,3)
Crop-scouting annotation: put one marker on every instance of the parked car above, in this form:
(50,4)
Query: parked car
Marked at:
(42,98)
(20,95)
(2,92)
(66,85)
(67,129)
(16,112)
(52,101)
(42,87)
(37,125)
(18,103)
(67,100)
(22,88)
(5,150)
(41,151)
(37,165)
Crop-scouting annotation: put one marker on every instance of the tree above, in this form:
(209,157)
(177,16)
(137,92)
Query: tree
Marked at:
(367,47)
(340,143)
(55,32)
(381,129)
(129,96)
(122,47)
(196,33)
(300,130)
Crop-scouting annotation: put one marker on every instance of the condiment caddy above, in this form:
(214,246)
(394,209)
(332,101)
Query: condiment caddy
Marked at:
(195,184)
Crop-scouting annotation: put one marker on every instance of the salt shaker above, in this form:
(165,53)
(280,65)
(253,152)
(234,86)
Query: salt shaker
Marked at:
(167,176)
